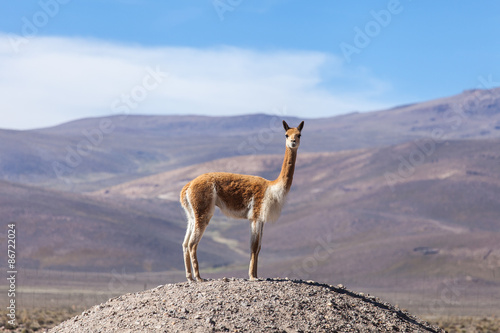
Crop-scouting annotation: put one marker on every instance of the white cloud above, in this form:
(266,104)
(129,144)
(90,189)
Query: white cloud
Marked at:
(53,80)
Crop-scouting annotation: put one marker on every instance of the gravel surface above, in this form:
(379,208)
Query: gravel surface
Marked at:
(239,305)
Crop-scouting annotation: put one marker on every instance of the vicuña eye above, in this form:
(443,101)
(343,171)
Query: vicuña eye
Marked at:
(286,136)
(298,136)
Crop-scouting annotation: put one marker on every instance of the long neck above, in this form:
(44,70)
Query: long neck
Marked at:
(287,169)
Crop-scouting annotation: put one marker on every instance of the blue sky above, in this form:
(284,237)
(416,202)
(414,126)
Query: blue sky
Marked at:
(67,59)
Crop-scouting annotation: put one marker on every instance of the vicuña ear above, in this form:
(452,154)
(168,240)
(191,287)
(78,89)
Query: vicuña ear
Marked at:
(285,126)
(301,126)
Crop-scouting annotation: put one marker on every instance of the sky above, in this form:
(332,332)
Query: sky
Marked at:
(62,60)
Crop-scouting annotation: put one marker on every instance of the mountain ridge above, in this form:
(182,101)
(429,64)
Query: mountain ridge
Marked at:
(93,153)
(390,201)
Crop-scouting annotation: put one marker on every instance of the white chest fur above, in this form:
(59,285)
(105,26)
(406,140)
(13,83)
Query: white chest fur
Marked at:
(274,199)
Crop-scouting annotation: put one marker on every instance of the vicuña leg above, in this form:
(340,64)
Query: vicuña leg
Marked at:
(185,250)
(199,208)
(194,240)
(190,256)
(255,242)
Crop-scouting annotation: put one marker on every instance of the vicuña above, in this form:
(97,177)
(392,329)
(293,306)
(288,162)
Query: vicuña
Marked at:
(238,196)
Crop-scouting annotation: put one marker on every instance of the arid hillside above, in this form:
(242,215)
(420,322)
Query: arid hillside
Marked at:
(75,232)
(89,154)
(234,305)
(374,218)
(401,202)
(377,218)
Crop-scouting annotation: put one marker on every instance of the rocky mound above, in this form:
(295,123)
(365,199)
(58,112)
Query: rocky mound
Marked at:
(238,305)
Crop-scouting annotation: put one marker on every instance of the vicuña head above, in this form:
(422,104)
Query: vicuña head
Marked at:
(292,135)
(239,196)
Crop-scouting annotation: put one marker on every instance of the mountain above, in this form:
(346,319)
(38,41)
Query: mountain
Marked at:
(378,217)
(75,232)
(397,200)
(89,154)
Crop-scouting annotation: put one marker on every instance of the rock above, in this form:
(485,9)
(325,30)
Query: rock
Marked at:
(238,305)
